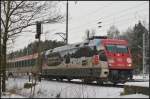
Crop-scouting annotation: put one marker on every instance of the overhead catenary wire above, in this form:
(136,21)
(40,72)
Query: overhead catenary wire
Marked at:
(122,11)
(75,29)
(108,15)
(119,22)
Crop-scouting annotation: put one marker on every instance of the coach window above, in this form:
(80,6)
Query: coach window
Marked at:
(26,63)
(33,62)
(16,64)
(19,63)
(23,63)
(29,62)
(67,59)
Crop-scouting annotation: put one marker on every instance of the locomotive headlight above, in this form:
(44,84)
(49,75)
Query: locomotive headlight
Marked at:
(129,65)
(129,60)
(110,60)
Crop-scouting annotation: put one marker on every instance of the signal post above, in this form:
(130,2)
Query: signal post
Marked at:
(38,36)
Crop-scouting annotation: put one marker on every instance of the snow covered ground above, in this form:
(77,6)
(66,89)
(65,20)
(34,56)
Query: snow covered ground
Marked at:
(54,89)
(12,96)
(143,84)
(140,77)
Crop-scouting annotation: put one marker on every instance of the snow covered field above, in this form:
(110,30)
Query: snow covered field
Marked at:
(53,89)
(141,77)
(143,84)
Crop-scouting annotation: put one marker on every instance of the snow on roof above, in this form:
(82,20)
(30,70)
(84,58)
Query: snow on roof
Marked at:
(67,47)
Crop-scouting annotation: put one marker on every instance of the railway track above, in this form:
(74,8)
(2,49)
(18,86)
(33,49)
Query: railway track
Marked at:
(138,80)
(102,85)
(90,84)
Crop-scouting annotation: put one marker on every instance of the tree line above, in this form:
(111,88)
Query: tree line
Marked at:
(33,48)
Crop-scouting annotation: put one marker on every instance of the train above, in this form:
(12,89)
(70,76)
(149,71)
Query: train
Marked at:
(99,59)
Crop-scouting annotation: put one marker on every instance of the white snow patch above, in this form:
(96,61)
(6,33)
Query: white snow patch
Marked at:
(141,77)
(143,84)
(9,95)
(54,89)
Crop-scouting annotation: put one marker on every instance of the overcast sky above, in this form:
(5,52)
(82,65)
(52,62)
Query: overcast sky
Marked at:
(85,15)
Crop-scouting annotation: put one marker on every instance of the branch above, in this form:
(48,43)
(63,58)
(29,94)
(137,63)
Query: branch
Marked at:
(3,22)
(15,8)
(15,33)
(4,8)
(15,21)
(21,27)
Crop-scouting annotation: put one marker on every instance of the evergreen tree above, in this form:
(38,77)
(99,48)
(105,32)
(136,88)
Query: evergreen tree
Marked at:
(135,38)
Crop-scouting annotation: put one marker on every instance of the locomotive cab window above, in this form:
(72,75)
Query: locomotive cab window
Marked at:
(117,48)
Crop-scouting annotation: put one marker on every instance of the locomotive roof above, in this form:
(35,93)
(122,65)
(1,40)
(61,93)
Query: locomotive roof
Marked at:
(115,41)
(90,42)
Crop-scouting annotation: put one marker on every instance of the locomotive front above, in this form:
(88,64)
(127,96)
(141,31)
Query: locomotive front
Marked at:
(119,60)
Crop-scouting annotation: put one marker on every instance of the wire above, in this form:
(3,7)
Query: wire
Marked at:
(105,17)
(122,15)
(112,14)
(119,22)
(91,13)
(80,25)
(124,10)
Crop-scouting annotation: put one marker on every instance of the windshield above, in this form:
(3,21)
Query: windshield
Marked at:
(117,48)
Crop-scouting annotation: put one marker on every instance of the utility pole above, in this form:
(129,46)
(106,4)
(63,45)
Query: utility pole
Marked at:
(67,23)
(143,54)
(0,64)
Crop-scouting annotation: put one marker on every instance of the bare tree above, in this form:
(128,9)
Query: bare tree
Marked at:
(89,34)
(113,32)
(16,16)
(92,32)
